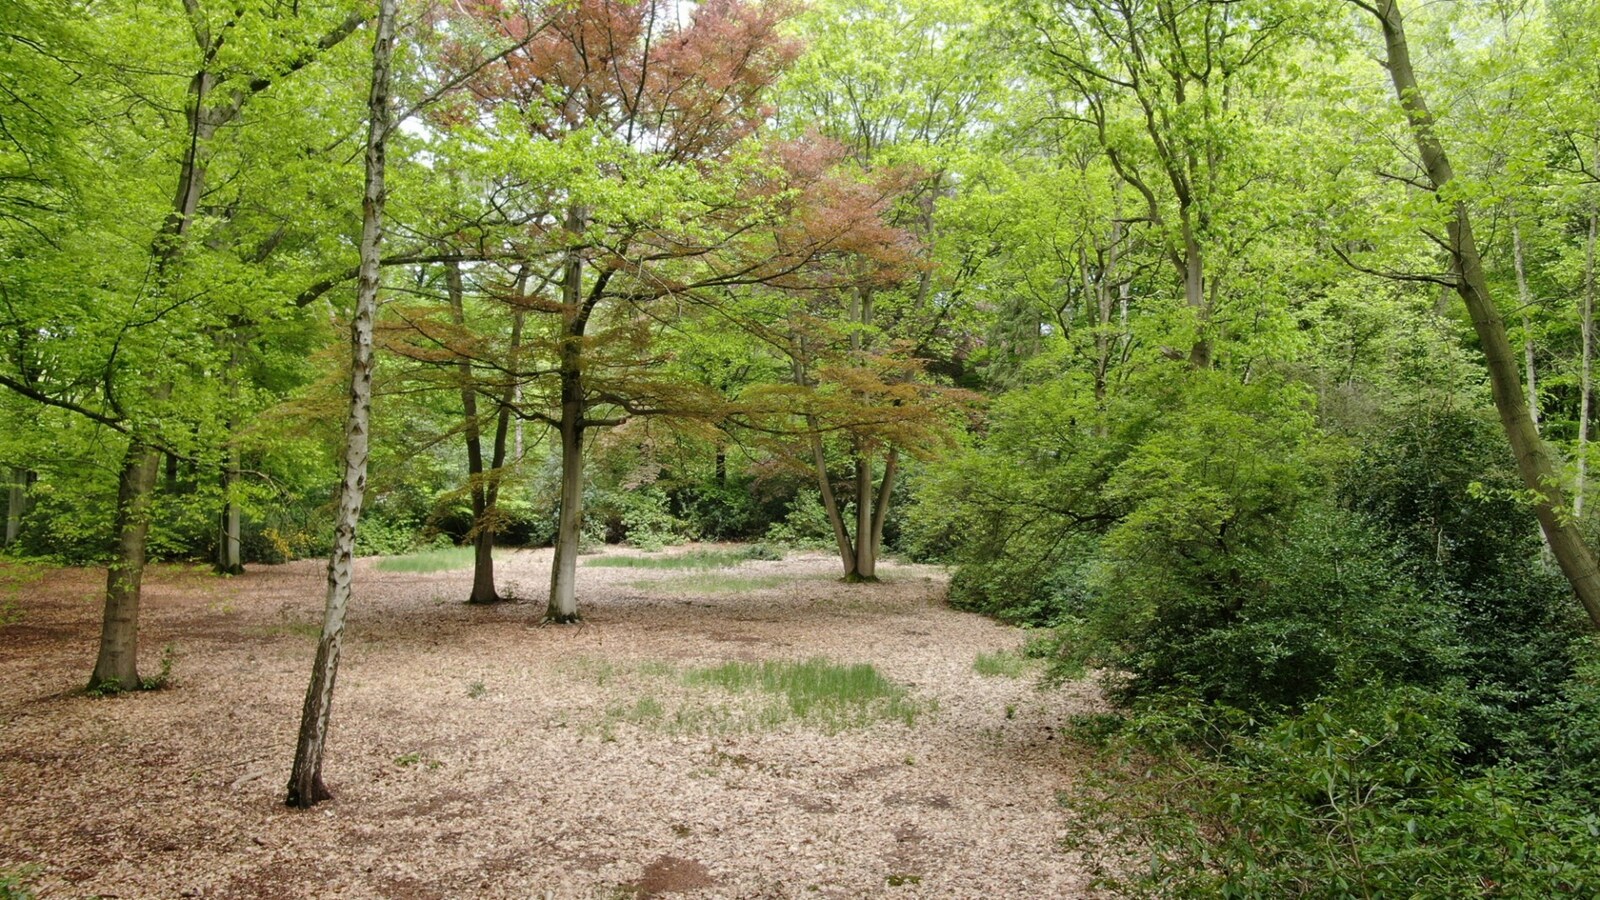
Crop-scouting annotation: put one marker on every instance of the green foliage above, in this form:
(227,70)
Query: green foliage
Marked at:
(14,883)
(736,510)
(805,526)
(1360,796)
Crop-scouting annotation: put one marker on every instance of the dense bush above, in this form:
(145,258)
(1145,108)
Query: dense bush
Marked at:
(1360,795)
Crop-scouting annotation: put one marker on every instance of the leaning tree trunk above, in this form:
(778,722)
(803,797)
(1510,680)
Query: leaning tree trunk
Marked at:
(1533,459)
(306,787)
(117,666)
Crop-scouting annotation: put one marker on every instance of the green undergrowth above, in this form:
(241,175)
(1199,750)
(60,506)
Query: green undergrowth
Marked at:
(699,558)
(443,559)
(735,697)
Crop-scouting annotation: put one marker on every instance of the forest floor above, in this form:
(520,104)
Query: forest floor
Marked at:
(476,754)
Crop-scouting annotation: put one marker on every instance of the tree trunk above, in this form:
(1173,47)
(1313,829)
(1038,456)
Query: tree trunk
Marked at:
(563,605)
(891,467)
(16,496)
(830,504)
(1524,301)
(866,555)
(1533,459)
(230,560)
(1586,377)
(306,787)
(482,531)
(117,667)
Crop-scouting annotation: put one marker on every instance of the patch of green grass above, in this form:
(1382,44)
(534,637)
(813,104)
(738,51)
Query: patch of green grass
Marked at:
(1004,664)
(698,558)
(444,559)
(716,583)
(816,690)
(644,711)
(407,760)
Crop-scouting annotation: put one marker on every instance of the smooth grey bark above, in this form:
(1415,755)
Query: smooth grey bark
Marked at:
(563,605)
(230,560)
(1534,463)
(306,787)
(16,497)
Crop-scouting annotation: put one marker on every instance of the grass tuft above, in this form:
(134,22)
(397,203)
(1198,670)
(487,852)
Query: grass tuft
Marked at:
(835,696)
(1004,664)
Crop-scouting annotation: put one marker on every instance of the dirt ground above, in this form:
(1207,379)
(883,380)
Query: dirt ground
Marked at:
(474,754)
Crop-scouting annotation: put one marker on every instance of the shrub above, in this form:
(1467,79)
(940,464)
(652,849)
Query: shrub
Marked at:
(1359,795)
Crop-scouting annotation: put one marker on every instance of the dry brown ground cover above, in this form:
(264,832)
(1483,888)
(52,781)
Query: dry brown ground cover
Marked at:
(474,754)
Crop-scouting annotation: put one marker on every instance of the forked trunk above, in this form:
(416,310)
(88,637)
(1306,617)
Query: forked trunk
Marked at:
(830,504)
(306,787)
(1533,459)
(117,667)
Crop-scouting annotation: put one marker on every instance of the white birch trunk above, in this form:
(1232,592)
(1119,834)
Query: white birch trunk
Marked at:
(306,787)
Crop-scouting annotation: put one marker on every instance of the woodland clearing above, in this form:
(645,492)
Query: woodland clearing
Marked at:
(478,754)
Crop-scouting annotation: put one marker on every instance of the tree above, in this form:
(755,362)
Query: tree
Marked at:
(306,787)
(1467,280)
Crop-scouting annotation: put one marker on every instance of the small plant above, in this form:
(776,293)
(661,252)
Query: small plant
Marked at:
(1011,710)
(407,760)
(14,883)
(163,677)
(903,880)
(1004,664)
(476,690)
